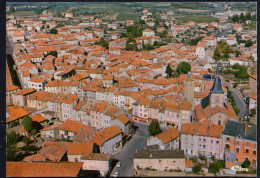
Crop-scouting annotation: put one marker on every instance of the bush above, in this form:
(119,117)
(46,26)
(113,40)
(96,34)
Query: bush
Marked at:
(183,68)
(196,169)
(33,131)
(233,103)
(221,163)
(194,160)
(202,157)
(253,111)
(246,163)
(214,167)
(236,109)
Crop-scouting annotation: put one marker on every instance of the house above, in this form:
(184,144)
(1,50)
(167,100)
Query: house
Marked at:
(240,61)
(124,123)
(252,100)
(253,82)
(200,50)
(18,37)
(239,143)
(14,116)
(40,119)
(20,97)
(129,22)
(71,129)
(202,139)
(37,83)
(10,89)
(148,32)
(108,81)
(112,26)
(210,41)
(231,40)
(238,27)
(160,160)
(167,140)
(51,131)
(38,169)
(97,162)
(108,139)
(69,15)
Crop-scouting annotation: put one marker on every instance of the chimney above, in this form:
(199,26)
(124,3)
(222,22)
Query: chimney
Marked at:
(246,128)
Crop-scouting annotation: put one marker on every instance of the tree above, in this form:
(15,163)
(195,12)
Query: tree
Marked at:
(242,17)
(196,169)
(248,16)
(169,71)
(253,111)
(53,31)
(183,68)
(214,167)
(27,124)
(11,138)
(154,128)
(246,163)
(48,26)
(156,43)
(237,110)
(53,53)
(142,22)
(238,53)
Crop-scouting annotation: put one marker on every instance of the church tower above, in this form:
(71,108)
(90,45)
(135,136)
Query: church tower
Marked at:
(217,97)
(189,90)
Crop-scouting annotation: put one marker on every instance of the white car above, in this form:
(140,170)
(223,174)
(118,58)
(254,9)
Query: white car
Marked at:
(115,174)
(118,164)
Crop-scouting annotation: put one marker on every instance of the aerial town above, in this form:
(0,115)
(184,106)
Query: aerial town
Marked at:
(131,89)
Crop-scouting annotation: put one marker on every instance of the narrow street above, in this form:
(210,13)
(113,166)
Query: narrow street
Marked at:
(237,96)
(138,142)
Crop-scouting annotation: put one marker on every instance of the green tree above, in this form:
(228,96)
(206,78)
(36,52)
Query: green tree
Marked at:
(253,111)
(238,53)
(156,43)
(53,31)
(53,53)
(217,54)
(242,17)
(27,124)
(11,138)
(246,163)
(169,71)
(48,26)
(154,128)
(142,22)
(248,16)
(237,110)
(183,68)
(214,167)
(196,169)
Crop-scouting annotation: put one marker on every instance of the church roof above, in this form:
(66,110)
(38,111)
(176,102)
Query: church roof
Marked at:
(217,87)
(205,101)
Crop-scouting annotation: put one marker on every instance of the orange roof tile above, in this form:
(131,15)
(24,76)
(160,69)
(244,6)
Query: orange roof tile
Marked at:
(168,135)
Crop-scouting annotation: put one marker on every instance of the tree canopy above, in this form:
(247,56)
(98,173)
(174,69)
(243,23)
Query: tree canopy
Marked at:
(27,124)
(183,68)
(53,31)
(154,128)
(222,51)
(169,71)
(214,167)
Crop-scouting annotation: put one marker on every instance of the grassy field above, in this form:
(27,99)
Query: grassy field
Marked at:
(23,13)
(196,18)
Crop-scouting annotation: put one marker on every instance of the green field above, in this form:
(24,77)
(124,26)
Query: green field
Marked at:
(23,13)
(196,18)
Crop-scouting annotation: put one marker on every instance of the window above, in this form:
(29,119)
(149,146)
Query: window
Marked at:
(160,161)
(227,139)
(173,161)
(237,150)
(211,141)
(254,152)
(227,146)
(247,150)
(219,122)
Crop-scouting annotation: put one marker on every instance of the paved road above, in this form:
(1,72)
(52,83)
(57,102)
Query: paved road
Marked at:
(237,96)
(138,142)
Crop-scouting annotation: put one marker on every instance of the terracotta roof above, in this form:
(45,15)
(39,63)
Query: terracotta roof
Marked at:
(189,163)
(11,87)
(79,148)
(123,118)
(144,101)
(38,118)
(37,80)
(54,169)
(96,156)
(51,127)
(24,91)
(73,126)
(168,135)
(105,134)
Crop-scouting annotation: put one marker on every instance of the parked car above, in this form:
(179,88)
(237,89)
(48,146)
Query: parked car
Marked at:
(118,164)
(115,174)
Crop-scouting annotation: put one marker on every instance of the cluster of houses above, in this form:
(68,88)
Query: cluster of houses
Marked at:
(85,92)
